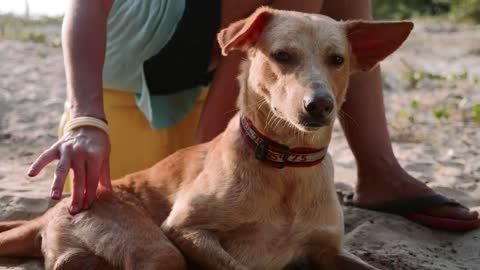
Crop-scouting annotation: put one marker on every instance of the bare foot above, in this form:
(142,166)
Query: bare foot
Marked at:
(388,184)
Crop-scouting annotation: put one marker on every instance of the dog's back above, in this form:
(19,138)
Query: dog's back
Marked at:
(120,230)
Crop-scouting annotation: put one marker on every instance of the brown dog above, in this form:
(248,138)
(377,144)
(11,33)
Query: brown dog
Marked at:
(229,203)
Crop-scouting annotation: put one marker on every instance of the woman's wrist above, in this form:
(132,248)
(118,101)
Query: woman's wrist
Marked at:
(93,109)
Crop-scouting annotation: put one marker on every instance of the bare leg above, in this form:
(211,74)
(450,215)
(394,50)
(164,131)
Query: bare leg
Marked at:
(220,105)
(380,176)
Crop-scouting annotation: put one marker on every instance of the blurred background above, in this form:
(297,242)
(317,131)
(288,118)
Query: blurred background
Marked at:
(432,100)
(34,20)
(454,10)
(33,7)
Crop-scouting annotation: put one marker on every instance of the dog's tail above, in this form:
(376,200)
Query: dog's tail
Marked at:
(21,238)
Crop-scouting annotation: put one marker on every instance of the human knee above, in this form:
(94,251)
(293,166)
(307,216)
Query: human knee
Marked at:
(348,10)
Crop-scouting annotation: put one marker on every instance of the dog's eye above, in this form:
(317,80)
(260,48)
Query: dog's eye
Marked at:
(336,60)
(282,57)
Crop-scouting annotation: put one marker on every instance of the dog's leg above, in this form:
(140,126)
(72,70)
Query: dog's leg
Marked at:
(342,260)
(326,252)
(8,225)
(79,259)
(113,234)
(202,248)
(347,261)
(20,239)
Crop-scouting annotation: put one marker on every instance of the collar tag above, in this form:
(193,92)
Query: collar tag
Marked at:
(261,151)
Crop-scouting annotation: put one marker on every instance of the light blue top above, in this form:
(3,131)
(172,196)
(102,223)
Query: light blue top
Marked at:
(136,31)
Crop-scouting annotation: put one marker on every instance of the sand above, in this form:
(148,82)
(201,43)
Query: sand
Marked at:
(444,153)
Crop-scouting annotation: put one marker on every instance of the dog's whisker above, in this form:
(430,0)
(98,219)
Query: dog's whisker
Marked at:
(342,113)
(272,121)
(260,105)
(270,117)
(254,108)
(278,123)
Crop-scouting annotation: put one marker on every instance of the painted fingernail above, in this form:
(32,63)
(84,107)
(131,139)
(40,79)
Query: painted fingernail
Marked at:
(55,194)
(74,209)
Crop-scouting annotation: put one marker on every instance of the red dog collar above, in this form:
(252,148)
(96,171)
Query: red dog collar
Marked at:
(275,154)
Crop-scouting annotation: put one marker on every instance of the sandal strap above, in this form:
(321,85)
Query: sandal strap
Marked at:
(408,205)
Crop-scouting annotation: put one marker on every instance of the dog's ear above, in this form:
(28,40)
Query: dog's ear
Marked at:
(371,42)
(244,33)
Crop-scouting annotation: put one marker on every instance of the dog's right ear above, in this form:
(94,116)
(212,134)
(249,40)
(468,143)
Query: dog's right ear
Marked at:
(242,34)
(371,42)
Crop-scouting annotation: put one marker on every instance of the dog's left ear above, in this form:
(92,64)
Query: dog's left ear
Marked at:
(242,34)
(371,42)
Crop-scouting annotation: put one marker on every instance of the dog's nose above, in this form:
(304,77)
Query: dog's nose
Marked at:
(319,106)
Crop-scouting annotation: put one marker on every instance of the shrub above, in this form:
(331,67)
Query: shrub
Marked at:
(459,10)
(468,10)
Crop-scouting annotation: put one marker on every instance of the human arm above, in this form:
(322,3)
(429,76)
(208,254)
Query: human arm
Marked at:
(84,149)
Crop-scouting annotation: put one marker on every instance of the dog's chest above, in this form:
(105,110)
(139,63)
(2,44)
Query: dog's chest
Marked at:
(267,246)
(285,221)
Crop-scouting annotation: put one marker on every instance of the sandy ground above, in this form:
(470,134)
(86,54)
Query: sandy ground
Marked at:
(442,152)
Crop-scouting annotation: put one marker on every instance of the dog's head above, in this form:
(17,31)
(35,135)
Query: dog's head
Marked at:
(301,63)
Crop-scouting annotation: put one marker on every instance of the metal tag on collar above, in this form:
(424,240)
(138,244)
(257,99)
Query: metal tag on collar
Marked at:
(261,151)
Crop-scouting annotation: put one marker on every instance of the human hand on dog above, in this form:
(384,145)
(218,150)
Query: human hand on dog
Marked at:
(86,151)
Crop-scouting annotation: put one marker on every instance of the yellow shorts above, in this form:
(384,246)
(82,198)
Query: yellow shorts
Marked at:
(134,144)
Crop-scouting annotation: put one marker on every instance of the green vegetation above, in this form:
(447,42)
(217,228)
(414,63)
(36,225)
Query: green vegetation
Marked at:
(414,77)
(35,30)
(26,29)
(398,10)
(468,10)
(460,76)
(458,10)
(441,113)
(415,104)
(410,113)
(476,113)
